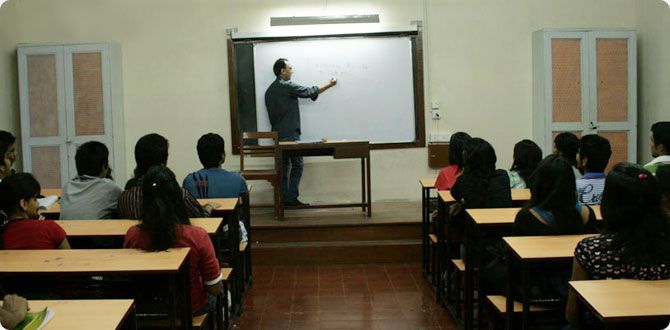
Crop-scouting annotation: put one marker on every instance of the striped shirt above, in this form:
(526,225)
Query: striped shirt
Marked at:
(590,188)
(130,203)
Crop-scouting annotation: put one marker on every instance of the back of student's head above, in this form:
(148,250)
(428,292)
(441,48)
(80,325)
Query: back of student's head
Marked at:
(631,209)
(553,189)
(527,154)
(456,145)
(13,189)
(91,158)
(6,140)
(479,157)
(163,207)
(567,145)
(150,150)
(660,132)
(597,151)
(663,178)
(210,150)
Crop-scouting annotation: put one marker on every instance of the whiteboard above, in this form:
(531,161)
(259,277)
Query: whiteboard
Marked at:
(374,96)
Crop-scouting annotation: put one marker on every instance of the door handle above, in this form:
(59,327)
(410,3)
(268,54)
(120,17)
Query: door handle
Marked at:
(593,127)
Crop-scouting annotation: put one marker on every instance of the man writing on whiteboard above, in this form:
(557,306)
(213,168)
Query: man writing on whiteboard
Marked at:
(281,100)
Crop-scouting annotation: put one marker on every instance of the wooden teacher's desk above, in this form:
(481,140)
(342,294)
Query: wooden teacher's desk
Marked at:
(99,314)
(624,301)
(170,266)
(337,149)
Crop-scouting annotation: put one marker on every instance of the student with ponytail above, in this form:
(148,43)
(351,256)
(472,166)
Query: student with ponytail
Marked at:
(636,240)
(165,224)
(21,228)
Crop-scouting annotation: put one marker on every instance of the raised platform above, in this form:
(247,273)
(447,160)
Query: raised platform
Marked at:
(338,236)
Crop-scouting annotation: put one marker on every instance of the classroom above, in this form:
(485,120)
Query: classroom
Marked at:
(370,244)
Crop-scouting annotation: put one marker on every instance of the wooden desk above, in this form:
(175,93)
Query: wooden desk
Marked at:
(226,204)
(620,301)
(337,149)
(426,186)
(51,192)
(88,314)
(114,228)
(528,250)
(170,266)
(519,196)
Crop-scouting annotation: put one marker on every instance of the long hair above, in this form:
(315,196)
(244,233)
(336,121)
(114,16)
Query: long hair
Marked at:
(527,154)
(631,209)
(480,163)
(456,145)
(552,189)
(163,207)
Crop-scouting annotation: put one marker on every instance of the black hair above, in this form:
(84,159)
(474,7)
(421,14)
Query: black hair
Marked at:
(661,133)
(163,207)
(279,64)
(6,140)
(91,157)
(211,147)
(632,212)
(597,151)
(479,160)
(527,154)
(150,150)
(13,189)
(663,178)
(567,145)
(553,190)
(456,146)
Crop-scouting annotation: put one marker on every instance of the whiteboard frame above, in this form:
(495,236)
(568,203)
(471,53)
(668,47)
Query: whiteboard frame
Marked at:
(415,35)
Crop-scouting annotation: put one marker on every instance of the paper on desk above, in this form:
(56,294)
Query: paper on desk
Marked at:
(46,202)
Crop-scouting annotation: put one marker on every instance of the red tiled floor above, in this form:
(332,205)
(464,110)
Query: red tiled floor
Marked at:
(386,296)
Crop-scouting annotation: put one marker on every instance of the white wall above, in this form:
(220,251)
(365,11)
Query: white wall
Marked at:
(478,55)
(653,18)
(9,108)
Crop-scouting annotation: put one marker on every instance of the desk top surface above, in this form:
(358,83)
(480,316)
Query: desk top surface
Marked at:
(427,183)
(101,314)
(539,248)
(226,204)
(114,227)
(91,261)
(503,216)
(619,299)
(52,192)
(518,195)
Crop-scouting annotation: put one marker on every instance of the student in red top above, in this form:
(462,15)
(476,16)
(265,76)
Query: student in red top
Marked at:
(22,229)
(448,175)
(165,224)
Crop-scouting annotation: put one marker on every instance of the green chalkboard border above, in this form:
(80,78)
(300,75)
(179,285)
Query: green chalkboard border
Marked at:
(242,83)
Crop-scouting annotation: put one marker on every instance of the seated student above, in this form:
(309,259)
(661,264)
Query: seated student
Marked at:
(635,242)
(566,145)
(527,154)
(165,224)
(7,153)
(659,141)
(152,150)
(212,181)
(594,154)
(553,208)
(448,175)
(13,311)
(663,178)
(22,230)
(481,185)
(91,194)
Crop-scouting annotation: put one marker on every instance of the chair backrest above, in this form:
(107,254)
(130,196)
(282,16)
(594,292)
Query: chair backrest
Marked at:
(257,150)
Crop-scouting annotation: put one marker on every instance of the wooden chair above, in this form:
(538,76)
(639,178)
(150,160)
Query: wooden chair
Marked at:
(249,147)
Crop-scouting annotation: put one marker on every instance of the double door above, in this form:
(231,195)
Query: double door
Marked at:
(585,82)
(69,94)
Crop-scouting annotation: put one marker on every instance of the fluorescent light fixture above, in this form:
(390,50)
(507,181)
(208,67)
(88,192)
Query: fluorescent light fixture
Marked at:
(331,19)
